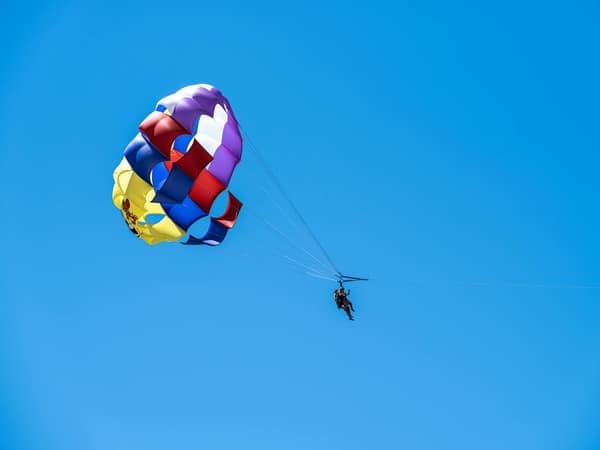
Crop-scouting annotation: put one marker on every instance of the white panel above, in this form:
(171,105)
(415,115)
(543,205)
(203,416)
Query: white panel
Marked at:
(209,133)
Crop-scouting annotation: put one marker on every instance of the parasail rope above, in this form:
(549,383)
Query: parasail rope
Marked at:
(302,249)
(287,260)
(312,269)
(279,207)
(316,275)
(295,225)
(278,185)
(287,265)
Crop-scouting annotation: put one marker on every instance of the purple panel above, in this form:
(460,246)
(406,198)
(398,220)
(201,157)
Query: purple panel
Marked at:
(232,139)
(208,93)
(207,101)
(222,165)
(203,101)
(229,110)
(202,92)
(185,113)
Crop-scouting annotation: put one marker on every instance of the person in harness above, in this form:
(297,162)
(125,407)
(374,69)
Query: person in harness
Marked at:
(341,300)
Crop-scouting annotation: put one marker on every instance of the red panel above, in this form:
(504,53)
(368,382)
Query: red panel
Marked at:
(194,160)
(231,213)
(175,155)
(161,130)
(205,189)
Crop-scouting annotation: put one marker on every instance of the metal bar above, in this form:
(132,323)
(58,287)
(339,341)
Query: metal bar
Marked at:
(346,278)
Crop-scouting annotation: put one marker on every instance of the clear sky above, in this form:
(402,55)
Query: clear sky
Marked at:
(447,150)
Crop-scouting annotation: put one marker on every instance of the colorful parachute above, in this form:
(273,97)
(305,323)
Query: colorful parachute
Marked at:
(173,170)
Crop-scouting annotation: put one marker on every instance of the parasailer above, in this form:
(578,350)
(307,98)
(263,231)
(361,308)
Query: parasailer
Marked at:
(182,158)
(341,300)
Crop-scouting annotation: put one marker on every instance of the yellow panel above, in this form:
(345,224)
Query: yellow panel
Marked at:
(132,196)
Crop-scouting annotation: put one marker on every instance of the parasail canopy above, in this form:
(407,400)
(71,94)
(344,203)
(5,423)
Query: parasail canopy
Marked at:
(173,170)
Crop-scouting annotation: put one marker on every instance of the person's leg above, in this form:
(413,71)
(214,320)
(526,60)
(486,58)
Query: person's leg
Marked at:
(348,313)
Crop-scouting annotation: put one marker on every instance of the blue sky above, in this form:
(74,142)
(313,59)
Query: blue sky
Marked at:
(446,150)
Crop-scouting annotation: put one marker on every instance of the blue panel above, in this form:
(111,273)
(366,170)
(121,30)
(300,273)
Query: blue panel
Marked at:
(181,142)
(136,143)
(159,175)
(214,236)
(163,199)
(142,157)
(196,122)
(185,213)
(175,188)
(161,108)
